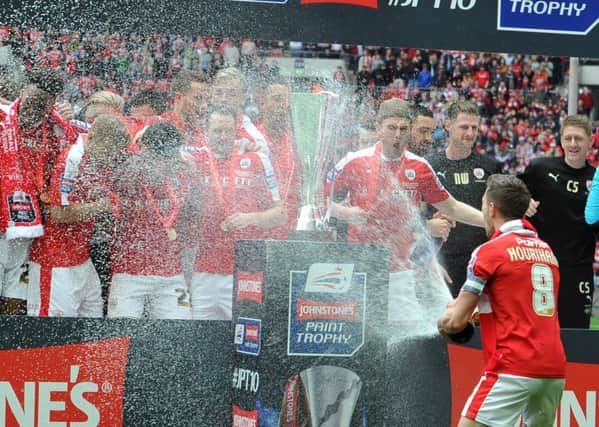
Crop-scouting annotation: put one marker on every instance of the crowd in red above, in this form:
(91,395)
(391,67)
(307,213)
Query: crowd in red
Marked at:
(520,96)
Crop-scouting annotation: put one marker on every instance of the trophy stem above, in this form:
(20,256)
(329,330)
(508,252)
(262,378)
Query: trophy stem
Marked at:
(307,220)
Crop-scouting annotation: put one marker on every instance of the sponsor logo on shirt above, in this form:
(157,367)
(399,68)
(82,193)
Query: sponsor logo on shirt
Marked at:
(66,184)
(248,333)
(249,286)
(410,174)
(271,180)
(245,163)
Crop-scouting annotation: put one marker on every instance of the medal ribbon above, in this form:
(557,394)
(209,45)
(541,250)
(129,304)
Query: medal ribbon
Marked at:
(225,195)
(167,222)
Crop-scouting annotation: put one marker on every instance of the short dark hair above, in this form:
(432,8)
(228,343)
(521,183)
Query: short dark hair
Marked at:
(47,79)
(183,80)
(419,110)
(163,139)
(509,194)
(155,99)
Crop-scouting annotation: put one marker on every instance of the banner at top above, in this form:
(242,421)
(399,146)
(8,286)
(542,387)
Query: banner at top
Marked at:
(547,27)
(543,16)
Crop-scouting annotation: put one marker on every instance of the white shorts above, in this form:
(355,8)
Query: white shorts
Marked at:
(211,296)
(13,259)
(64,291)
(157,296)
(500,399)
(188,259)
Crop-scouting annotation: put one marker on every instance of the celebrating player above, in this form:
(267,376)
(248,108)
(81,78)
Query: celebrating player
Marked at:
(242,201)
(383,182)
(33,134)
(276,127)
(157,203)
(62,278)
(514,280)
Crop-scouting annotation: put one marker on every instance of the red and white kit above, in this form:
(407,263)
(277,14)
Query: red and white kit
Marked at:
(26,156)
(62,279)
(289,171)
(146,251)
(243,183)
(516,276)
(391,192)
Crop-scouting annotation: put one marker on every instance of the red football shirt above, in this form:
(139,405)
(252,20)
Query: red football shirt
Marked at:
(288,169)
(140,244)
(193,139)
(391,191)
(516,276)
(67,244)
(246,183)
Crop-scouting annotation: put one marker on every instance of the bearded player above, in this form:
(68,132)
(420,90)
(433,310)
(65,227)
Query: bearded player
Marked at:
(242,201)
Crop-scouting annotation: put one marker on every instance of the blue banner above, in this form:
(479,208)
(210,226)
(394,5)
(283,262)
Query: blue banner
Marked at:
(548,16)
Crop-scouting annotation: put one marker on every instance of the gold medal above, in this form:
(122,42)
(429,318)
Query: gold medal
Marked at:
(171,234)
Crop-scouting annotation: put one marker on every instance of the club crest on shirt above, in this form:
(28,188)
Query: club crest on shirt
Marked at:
(245,163)
(479,173)
(410,174)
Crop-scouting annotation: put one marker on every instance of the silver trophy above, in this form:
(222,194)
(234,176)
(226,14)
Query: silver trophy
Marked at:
(315,118)
(322,396)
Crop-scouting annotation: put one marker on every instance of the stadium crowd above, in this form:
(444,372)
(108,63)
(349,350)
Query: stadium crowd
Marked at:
(519,96)
(115,134)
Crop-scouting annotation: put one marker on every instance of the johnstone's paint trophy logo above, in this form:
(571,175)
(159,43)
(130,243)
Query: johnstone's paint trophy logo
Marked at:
(327,311)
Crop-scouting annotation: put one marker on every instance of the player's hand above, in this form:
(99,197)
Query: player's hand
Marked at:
(236,221)
(475,318)
(4,101)
(461,337)
(64,110)
(532,208)
(441,215)
(136,141)
(438,227)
